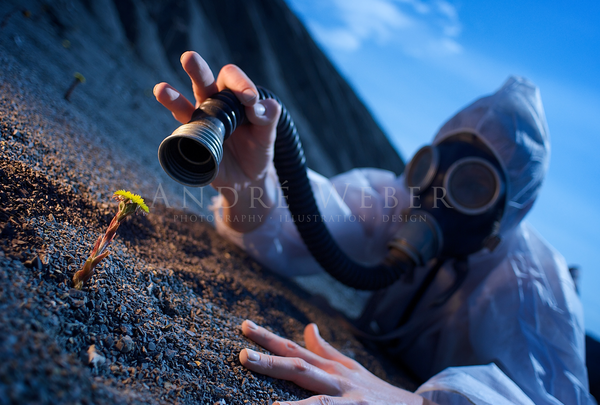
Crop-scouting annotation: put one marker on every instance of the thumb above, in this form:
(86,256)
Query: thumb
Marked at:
(264,113)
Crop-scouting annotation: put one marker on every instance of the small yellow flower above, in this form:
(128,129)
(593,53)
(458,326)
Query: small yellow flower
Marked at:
(129,203)
(123,195)
(78,76)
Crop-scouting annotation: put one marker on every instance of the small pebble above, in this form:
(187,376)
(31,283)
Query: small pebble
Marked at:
(125,344)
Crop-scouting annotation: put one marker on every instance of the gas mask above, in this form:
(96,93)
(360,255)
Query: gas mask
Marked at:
(457,190)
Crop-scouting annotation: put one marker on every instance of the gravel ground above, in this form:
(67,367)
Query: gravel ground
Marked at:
(159,321)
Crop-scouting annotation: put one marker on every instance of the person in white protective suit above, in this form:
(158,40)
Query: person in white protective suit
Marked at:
(502,325)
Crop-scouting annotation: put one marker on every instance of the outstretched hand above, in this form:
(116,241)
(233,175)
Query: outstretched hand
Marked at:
(248,153)
(320,368)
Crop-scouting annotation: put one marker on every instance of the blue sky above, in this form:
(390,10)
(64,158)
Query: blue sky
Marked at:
(415,63)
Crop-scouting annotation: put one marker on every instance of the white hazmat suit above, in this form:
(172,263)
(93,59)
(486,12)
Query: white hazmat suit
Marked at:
(513,332)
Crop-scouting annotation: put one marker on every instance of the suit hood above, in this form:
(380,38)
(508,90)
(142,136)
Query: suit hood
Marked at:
(513,124)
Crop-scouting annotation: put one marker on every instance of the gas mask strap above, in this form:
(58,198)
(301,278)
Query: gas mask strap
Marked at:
(461,269)
(432,272)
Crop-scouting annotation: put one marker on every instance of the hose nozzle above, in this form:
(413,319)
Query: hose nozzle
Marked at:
(192,153)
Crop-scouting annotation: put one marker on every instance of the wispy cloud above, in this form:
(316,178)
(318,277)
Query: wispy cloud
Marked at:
(420,28)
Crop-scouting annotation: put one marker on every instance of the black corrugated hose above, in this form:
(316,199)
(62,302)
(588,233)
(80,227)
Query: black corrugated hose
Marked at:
(290,165)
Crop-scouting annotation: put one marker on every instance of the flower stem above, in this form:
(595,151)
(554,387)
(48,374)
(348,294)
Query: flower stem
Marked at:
(128,204)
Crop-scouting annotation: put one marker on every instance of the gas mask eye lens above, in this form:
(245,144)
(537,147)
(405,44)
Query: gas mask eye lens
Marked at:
(472,185)
(422,168)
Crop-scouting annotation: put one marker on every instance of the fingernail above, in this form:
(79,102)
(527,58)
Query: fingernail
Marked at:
(251,324)
(172,94)
(259,109)
(317,330)
(252,355)
(248,95)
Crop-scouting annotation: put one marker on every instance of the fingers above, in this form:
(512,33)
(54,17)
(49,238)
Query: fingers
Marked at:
(321,400)
(292,369)
(204,85)
(283,347)
(174,101)
(230,77)
(233,78)
(316,344)
(203,80)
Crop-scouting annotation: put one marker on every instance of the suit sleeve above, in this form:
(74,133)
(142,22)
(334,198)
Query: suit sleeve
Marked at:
(361,209)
